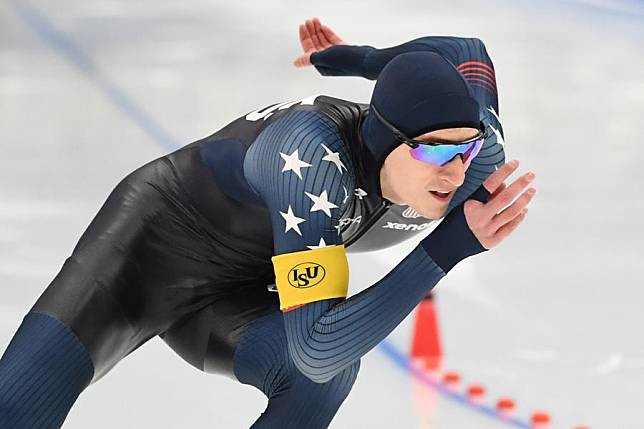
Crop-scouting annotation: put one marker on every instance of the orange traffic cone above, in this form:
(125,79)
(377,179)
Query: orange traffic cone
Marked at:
(426,345)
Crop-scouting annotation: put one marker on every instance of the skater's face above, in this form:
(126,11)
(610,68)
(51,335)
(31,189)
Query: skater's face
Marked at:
(408,181)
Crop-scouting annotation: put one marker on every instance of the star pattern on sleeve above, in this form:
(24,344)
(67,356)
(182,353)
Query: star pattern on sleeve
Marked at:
(321,202)
(499,137)
(294,163)
(292,221)
(320,245)
(333,157)
(492,111)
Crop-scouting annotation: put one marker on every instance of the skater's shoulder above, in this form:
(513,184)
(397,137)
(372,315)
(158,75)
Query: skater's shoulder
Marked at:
(328,99)
(326,106)
(342,116)
(334,106)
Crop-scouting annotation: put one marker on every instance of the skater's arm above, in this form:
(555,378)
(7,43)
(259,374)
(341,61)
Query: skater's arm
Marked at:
(471,58)
(367,61)
(287,167)
(327,334)
(333,56)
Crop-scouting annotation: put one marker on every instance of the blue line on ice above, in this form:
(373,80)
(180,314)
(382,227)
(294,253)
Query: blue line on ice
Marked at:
(64,46)
(402,361)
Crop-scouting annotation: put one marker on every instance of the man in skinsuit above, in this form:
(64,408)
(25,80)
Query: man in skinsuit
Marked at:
(232,248)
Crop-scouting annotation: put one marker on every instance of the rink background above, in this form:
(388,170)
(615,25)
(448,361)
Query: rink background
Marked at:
(551,317)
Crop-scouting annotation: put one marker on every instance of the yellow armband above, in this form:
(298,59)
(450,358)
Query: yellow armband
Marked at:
(311,275)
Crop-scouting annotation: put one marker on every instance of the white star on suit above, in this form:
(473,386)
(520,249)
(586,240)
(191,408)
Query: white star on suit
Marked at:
(320,245)
(333,157)
(499,137)
(292,221)
(492,111)
(293,163)
(321,202)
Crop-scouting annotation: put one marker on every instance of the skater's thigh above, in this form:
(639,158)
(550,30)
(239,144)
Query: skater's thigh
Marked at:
(103,290)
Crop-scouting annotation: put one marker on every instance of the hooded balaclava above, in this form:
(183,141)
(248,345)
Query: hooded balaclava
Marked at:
(417,92)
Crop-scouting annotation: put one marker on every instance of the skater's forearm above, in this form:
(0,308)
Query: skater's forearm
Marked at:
(344,60)
(326,336)
(367,61)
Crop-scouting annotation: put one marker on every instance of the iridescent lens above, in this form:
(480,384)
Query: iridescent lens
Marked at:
(442,154)
(478,144)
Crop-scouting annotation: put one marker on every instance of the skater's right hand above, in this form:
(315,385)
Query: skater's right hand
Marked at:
(488,222)
(314,37)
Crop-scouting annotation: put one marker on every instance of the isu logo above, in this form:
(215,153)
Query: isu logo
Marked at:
(410,213)
(306,274)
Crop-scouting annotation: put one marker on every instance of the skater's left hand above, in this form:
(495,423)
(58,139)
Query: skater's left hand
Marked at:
(493,221)
(315,36)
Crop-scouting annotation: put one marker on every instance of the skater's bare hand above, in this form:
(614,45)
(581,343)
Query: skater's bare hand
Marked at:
(315,36)
(489,223)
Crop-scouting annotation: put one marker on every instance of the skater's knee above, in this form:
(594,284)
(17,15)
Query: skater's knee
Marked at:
(43,351)
(42,372)
(43,341)
(302,402)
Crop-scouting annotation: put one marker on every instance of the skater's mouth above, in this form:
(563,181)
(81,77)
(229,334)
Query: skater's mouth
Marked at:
(441,196)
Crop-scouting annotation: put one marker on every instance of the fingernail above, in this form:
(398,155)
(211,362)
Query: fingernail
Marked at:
(530,175)
(514,163)
(532,191)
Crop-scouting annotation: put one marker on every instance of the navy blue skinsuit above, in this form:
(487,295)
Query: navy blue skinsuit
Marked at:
(182,249)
